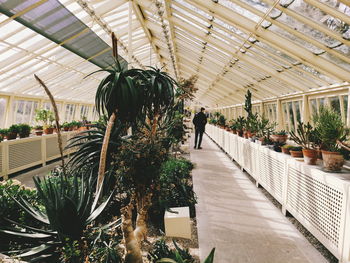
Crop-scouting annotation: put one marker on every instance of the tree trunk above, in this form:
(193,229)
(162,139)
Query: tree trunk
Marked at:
(103,155)
(132,246)
(144,203)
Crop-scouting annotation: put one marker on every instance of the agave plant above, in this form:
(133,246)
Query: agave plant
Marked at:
(69,208)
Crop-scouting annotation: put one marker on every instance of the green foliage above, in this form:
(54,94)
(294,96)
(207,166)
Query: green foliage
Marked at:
(69,208)
(248,104)
(119,92)
(240,122)
(175,187)
(221,120)
(216,115)
(330,129)
(305,136)
(264,127)
(38,127)
(24,130)
(14,128)
(252,123)
(296,148)
(4,132)
(213,121)
(281,132)
(161,250)
(176,128)
(46,117)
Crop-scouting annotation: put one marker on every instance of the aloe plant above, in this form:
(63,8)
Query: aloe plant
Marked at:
(69,208)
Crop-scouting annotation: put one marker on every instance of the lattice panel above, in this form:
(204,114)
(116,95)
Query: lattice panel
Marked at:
(247,157)
(52,146)
(271,175)
(318,203)
(24,153)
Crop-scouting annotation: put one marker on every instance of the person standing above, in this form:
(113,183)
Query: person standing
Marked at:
(199,121)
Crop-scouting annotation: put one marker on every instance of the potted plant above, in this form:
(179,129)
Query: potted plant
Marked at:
(38,129)
(3,133)
(286,148)
(252,124)
(46,117)
(13,131)
(330,130)
(305,136)
(264,129)
(296,151)
(65,126)
(222,121)
(233,126)
(240,123)
(213,121)
(280,136)
(24,130)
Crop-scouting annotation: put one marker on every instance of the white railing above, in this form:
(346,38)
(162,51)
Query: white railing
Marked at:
(20,154)
(318,200)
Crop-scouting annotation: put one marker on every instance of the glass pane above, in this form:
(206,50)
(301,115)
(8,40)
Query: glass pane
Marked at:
(291,116)
(285,116)
(335,104)
(20,110)
(313,104)
(297,110)
(321,102)
(3,103)
(345,102)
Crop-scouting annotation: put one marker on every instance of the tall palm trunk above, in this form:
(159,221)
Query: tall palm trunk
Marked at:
(103,155)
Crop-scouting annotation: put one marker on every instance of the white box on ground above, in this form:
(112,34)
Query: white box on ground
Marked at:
(178,224)
(185,148)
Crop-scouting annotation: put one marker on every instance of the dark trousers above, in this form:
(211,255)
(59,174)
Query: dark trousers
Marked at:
(200,134)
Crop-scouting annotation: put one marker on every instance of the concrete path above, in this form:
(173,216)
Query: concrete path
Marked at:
(236,218)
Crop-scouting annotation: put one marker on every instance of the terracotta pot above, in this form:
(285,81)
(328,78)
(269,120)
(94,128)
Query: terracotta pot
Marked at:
(285,150)
(38,133)
(245,134)
(296,154)
(310,156)
(251,134)
(66,128)
(23,135)
(234,131)
(279,138)
(332,161)
(48,131)
(240,133)
(70,129)
(228,129)
(11,136)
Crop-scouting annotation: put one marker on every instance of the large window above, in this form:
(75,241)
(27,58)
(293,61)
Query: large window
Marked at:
(337,102)
(256,109)
(270,111)
(24,111)
(291,114)
(84,111)
(69,112)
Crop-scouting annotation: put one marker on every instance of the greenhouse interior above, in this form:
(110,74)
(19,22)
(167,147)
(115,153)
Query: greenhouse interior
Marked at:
(175,131)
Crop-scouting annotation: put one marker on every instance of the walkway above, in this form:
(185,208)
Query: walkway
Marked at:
(237,219)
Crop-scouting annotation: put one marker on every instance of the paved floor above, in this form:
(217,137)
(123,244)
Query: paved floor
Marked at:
(236,218)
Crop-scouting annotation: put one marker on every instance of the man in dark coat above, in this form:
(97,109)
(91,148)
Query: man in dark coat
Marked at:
(199,121)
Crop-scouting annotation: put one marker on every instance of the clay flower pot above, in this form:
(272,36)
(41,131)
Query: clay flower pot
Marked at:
(66,128)
(296,154)
(48,131)
(285,150)
(251,134)
(38,132)
(11,135)
(234,131)
(240,133)
(245,134)
(279,138)
(332,161)
(310,156)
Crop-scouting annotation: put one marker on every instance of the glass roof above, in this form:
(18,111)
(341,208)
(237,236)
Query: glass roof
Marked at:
(272,47)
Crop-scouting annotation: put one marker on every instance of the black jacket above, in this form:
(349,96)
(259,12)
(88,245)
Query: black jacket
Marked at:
(199,121)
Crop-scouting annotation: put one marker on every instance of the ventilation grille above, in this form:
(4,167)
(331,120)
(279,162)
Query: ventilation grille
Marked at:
(52,149)
(316,202)
(25,153)
(271,175)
